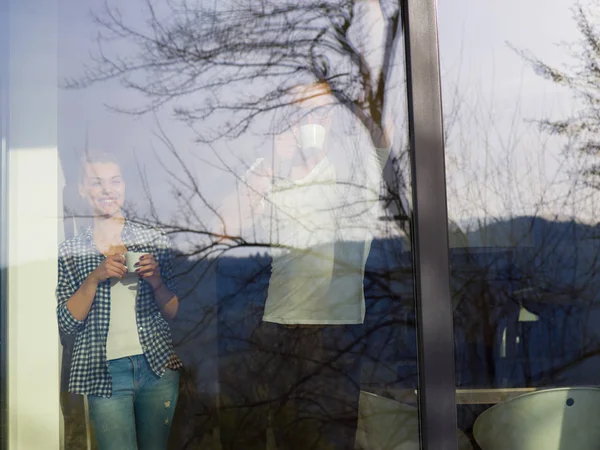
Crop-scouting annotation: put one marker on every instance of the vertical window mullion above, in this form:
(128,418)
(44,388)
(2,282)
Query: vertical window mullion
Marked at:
(437,398)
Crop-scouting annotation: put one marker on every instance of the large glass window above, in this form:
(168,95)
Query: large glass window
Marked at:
(210,226)
(520,85)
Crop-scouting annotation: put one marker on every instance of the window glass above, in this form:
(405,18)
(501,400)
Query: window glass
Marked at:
(214,201)
(520,92)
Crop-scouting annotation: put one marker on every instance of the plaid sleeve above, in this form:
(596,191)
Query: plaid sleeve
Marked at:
(164,257)
(64,291)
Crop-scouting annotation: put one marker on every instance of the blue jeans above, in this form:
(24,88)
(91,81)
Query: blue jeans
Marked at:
(140,411)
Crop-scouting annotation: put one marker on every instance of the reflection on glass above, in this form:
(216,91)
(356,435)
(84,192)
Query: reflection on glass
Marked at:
(316,209)
(522,124)
(267,156)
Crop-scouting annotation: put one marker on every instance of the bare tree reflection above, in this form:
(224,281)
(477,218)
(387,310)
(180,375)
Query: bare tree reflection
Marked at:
(191,55)
(582,128)
(205,52)
(226,70)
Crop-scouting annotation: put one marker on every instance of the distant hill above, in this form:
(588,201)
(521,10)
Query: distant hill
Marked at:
(548,267)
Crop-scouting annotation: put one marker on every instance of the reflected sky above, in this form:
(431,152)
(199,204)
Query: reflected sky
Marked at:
(86,118)
(499,164)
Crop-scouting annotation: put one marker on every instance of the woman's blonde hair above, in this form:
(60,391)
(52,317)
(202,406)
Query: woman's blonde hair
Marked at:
(306,91)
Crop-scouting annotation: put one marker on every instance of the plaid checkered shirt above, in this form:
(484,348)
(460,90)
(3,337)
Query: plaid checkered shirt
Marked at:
(77,258)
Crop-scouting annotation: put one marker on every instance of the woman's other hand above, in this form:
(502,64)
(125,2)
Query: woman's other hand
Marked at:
(286,145)
(258,179)
(148,269)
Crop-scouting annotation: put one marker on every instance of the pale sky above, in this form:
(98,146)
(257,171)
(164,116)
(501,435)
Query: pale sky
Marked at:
(503,95)
(498,163)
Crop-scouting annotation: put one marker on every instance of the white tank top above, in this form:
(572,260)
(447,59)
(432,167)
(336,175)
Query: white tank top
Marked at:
(123,339)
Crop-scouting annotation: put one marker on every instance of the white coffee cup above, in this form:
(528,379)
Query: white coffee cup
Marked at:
(131,258)
(312,136)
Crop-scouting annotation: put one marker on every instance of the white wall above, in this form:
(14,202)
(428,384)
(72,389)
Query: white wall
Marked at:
(33,343)
(34,178)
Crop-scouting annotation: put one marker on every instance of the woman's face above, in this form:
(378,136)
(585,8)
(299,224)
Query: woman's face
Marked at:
(103,188)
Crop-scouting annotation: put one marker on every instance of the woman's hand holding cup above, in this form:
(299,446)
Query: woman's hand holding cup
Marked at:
(112,267)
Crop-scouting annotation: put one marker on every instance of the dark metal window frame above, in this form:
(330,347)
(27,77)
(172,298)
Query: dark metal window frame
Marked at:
(4,98)
(437,398)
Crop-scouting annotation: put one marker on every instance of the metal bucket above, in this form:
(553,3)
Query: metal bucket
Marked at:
(385,424)
(552,419)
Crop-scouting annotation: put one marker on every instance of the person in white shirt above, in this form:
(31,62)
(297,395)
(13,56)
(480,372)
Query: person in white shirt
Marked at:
(316,203)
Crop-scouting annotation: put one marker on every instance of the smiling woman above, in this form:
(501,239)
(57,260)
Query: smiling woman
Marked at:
(263,134)
(123,354)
